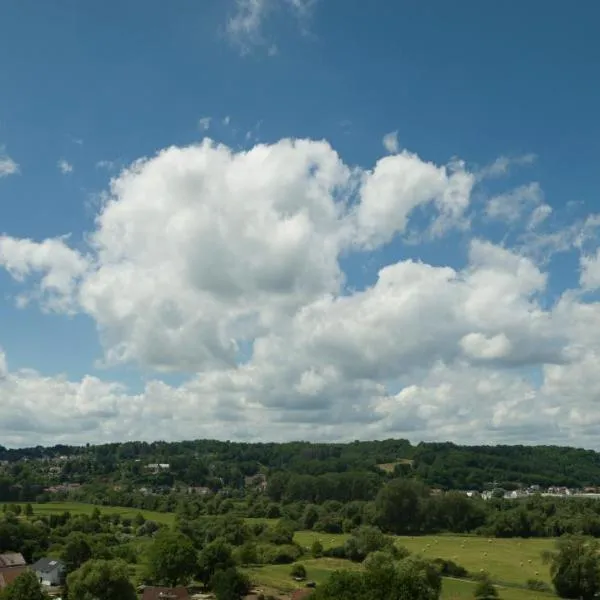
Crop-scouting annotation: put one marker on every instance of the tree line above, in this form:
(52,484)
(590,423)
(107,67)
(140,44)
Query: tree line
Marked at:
(218,464)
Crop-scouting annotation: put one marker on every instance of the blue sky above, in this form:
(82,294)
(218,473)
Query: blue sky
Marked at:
(89,88)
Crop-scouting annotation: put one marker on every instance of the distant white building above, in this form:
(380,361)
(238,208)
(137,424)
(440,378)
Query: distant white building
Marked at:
(514,494)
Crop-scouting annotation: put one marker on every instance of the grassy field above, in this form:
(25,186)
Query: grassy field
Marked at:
(389,467)
(329,540)
(457,589)
(510,562)
(506,560)
(78,508)
(278,577)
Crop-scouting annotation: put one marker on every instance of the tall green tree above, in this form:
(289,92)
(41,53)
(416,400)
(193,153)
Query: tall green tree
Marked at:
(77,551)
(382,579)
(398,506)
(214,557)
(101,580)
(485,590)
(230,584)
(575,567)
(172,559)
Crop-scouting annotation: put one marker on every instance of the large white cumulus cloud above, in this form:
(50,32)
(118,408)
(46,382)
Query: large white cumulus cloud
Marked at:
(226,266)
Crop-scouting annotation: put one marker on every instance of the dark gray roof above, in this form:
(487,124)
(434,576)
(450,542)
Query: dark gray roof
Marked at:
(47,565)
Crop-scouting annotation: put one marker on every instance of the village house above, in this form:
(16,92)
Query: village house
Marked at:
(301,594)
(515,494)
(158,467)
(50,572)
(200,490)
(12,564)
(258,481)
(165,593)
(12,559)
(9,574)
(62,488)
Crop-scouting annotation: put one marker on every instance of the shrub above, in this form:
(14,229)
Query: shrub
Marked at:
(537,585)
(328,524)
(485,589)
(298,571)
(335,552)
(449,568)
(316,549)
(277,555)
(286,554)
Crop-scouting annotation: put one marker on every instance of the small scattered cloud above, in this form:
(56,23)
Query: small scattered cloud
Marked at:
(7,165)
(590,271)
(252,133)
(390,142)
(502,165)
(204,123)
(244,28)
(76,140)
(64,166)
(109,165)
(226,120)
(509,207)
(539,215)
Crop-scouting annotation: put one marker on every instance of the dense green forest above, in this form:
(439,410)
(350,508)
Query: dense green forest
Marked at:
(228,464)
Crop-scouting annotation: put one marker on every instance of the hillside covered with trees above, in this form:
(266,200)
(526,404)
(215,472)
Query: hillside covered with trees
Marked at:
(367,464)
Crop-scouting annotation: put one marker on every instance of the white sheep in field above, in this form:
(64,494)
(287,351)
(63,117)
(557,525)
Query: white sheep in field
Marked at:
(521,563)
(529,561)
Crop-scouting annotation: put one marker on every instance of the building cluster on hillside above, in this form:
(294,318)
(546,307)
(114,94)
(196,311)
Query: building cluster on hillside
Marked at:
(62,488)
(552,491)
(156,468)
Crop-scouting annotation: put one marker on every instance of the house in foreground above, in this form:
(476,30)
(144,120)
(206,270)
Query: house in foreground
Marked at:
(301,594)
(9,574)
(165,593)
(12,564)
(49,571)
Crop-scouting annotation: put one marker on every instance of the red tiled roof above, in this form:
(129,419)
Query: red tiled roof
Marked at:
(9,574)
(301,594)
(165,593)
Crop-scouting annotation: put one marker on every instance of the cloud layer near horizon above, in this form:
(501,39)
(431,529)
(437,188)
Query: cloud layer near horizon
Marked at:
(226,266)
